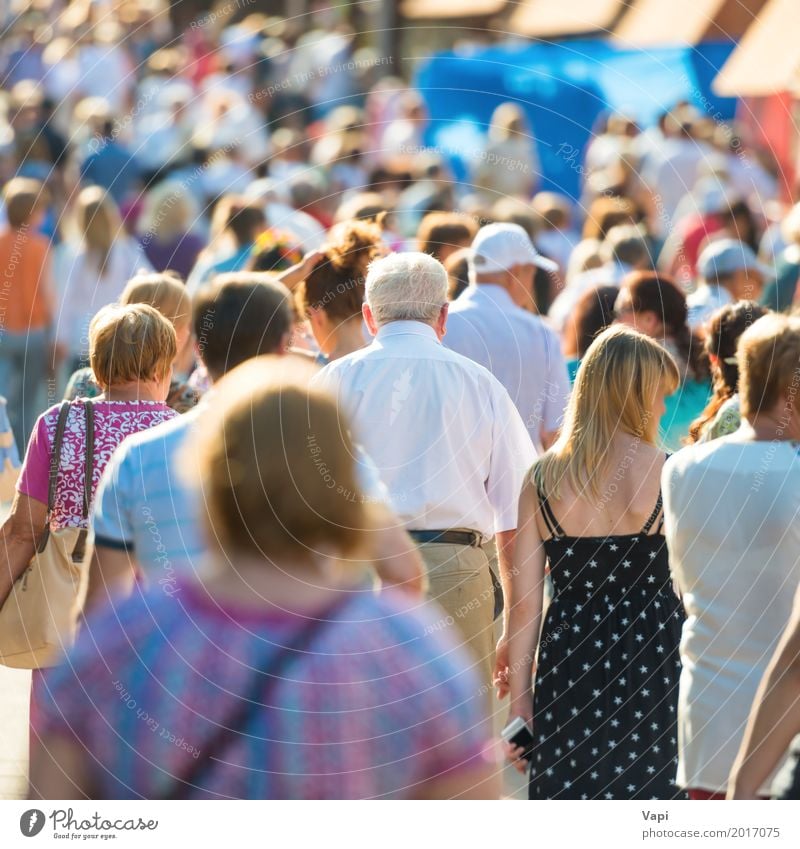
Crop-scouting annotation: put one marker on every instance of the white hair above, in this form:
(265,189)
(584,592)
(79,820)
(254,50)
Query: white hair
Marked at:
(406,287)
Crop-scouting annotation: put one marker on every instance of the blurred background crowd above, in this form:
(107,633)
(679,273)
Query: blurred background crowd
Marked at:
(156,159)
(192,139)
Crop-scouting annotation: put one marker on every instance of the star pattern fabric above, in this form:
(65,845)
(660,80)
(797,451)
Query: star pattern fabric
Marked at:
(606,689)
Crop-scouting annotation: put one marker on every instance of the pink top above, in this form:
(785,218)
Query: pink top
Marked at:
(113,421)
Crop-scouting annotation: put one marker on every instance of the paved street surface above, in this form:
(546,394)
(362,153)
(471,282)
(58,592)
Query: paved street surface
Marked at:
(15,687)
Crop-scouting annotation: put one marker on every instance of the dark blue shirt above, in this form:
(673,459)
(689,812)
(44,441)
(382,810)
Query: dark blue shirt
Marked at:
(113,168)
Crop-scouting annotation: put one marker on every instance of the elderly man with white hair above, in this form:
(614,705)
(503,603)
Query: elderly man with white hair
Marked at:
(488,325)
(450,446)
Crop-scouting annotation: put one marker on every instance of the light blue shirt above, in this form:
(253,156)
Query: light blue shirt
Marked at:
(518,348)
(145,505)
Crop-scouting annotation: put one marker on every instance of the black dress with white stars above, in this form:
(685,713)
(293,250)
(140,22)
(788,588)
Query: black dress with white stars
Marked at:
(606,691)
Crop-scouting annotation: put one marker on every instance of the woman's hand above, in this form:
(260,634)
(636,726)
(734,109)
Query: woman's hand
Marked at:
(293,276)
(500,676)
(515,753)
(18,537)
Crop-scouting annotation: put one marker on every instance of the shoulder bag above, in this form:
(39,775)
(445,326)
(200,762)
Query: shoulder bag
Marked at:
(39,618)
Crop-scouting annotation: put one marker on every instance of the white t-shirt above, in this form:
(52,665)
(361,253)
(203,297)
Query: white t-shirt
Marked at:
(732,522)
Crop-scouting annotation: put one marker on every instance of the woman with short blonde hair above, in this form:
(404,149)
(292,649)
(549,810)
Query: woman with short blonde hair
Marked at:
(165,291)
(167,294)
(131,352)
(131,344)
(606,673)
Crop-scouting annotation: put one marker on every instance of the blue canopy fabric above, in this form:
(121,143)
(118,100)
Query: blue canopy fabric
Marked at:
(563,87)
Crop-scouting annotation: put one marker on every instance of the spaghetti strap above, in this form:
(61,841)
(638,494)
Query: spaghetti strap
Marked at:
(549,517)
(654,515)
(656,510)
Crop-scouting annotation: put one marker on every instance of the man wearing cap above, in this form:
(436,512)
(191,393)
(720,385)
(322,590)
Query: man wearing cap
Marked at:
(488,325)
(448,443)
(729,271)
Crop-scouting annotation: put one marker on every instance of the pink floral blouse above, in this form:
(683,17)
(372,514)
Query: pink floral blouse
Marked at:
(113,421)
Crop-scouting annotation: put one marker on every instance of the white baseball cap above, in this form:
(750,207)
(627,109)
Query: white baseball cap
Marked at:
(499,247)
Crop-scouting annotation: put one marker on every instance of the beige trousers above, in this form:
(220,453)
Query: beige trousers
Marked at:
(460,582)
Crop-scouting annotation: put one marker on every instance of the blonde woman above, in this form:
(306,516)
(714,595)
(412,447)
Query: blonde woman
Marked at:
(132,349)
(165,229)
(166,293)
(604,703)
(91,270)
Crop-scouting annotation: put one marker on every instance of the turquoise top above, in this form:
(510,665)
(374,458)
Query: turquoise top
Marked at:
(683,407)
(572,369)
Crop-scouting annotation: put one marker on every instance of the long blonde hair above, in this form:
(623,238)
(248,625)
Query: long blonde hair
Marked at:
(615,390)
(99,224)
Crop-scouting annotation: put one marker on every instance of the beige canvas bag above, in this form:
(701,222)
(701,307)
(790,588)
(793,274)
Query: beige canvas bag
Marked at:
(39,618)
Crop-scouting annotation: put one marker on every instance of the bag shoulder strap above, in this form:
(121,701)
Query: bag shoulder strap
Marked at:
(250,703)
(79,550)
(89,458)
(55,456)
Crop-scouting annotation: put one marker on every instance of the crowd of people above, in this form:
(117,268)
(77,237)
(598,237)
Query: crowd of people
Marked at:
(353,450)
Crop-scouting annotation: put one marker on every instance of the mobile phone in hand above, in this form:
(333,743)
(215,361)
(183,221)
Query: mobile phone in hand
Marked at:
(517,733)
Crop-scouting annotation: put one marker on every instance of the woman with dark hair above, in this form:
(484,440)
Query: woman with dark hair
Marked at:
(332,293)
(653,304)
(722,415)
(593,313)
(457,267)
(738,219)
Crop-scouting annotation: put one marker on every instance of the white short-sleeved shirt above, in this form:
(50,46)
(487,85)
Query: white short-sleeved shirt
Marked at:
(732,520)
(450,446)
(518,348)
